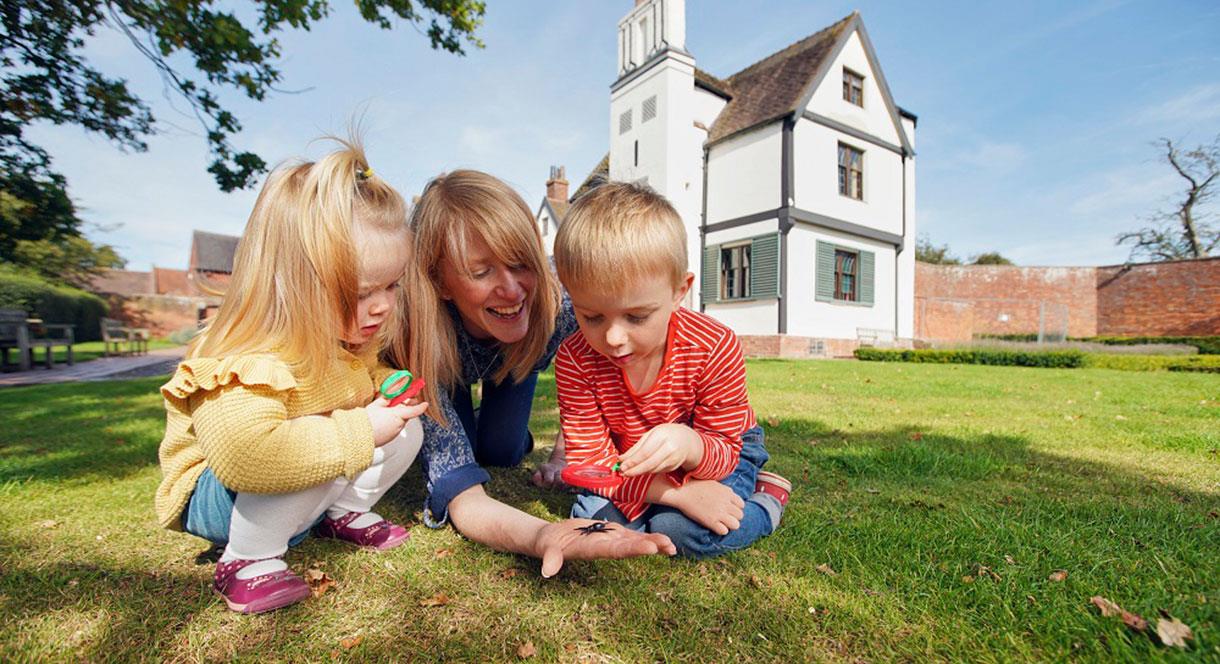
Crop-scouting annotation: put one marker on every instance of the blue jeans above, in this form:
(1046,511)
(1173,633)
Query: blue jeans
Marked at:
(210,511)
(505,410)
(692,539)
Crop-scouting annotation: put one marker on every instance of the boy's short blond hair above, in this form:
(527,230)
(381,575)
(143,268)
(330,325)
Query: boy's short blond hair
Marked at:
(617,232)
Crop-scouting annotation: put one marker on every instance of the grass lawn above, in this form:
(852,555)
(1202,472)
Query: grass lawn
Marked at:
(942,498)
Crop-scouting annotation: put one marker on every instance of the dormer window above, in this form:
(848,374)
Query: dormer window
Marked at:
(853,87)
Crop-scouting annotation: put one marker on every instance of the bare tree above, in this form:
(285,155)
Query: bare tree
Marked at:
(1187,230)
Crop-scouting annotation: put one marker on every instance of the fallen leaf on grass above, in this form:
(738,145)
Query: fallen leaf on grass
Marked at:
(439,599)
(1058,575)
(773,422)
(351,641)
(755,581)
(319,581)
(1009,559)
(526,650)
(984,570)
(443,553)
(967,579)
(509,573)
(1109,609)
(827,570)
(1173,632)
(917,436)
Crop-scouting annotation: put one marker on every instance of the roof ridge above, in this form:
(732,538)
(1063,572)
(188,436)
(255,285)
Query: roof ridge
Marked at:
(802,42)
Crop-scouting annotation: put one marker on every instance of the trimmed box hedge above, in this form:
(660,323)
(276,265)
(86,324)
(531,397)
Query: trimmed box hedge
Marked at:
(53,304)
(1064,359)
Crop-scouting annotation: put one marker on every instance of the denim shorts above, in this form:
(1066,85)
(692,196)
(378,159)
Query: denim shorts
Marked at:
(210,511)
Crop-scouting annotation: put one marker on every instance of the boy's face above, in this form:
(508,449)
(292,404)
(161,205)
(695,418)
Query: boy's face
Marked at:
(630,327)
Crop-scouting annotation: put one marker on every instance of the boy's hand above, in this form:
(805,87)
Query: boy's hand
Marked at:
(664,448)
(709,503)
(388,420)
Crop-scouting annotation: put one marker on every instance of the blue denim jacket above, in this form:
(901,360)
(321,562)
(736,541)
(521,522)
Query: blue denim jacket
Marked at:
(447,453)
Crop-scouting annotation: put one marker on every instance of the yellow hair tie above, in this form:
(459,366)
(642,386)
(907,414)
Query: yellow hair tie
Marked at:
(365,174)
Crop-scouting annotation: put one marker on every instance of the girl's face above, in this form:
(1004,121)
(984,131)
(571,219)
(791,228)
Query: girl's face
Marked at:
(383,259)
(492,297)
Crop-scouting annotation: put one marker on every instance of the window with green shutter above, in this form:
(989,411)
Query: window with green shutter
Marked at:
(764,266)
(709,277)
(843,274)
(741,270)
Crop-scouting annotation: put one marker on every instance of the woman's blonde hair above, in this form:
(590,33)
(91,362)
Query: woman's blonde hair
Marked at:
(296,275)
(455,207)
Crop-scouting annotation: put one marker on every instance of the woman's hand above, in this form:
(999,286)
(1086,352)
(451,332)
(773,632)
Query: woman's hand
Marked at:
(388,420)
(709,503)
(664,448)
(567,540)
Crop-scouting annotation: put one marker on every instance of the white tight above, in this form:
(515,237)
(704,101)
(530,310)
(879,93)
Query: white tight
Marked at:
(262,524)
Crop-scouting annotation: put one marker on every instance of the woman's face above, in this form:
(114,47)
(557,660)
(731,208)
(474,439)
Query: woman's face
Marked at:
(492,297)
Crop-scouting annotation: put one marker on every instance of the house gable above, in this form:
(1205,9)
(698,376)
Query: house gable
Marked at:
(822,100)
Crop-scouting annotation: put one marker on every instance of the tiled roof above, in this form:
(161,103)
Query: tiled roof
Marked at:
(123,282)
(559,207)
(707,81)
(170,282)
(597,176)
(772,87)
(213,252)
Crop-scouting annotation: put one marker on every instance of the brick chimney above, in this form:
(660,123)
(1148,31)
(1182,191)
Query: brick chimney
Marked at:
(557,185)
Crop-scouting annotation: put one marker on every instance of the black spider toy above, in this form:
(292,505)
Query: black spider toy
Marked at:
(599,527)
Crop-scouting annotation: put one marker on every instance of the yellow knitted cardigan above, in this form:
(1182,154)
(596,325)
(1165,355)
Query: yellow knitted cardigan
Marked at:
(260,429)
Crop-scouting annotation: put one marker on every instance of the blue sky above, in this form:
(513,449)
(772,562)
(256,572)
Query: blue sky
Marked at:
(1035,118)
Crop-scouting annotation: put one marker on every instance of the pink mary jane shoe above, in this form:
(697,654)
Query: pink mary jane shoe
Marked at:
(381,535)
(265,592)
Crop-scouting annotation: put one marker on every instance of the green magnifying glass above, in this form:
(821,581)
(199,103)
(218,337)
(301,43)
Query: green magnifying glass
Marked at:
(400,386)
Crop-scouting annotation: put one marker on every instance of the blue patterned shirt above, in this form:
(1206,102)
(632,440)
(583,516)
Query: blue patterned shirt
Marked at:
(448,456)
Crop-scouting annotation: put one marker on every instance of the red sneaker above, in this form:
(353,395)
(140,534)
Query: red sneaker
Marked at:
(381,535)
(265,592)
(773,485)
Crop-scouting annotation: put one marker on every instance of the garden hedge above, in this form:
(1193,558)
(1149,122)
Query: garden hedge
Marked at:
(1206,345)
(1066,359)
(53,303)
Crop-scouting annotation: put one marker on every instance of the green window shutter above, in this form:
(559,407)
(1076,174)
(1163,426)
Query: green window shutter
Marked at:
(824,290)
(866,277)
(764,266)
(709,289)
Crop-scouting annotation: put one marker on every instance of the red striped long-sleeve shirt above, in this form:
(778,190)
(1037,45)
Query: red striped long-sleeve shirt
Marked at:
(701,384)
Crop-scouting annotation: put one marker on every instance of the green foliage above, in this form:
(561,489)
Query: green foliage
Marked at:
(71,260)
(1024,336)
(47,76)
(926,252)
(1206,345)
(53,303)
(34,204)
(990,258)
(1152,362)
(1063,359)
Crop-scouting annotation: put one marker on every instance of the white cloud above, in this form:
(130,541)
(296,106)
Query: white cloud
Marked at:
(1198,106)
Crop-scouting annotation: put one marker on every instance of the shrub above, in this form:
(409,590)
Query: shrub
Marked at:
(52,303)
(1152,362)
(1065,359)
(1206,345)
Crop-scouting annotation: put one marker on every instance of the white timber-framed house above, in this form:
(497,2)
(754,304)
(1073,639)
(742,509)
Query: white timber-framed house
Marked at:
(795,177)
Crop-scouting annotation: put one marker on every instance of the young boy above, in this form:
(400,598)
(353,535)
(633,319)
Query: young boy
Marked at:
(657,387)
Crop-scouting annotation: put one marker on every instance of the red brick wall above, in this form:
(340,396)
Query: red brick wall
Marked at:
(1177,298)
(959,301)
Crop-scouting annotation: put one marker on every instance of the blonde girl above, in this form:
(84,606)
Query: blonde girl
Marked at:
(273,425)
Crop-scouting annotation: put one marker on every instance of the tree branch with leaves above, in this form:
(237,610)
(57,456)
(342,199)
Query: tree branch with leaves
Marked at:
(1188,230)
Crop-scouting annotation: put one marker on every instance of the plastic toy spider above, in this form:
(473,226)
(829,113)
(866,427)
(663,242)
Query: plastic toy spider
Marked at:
(599,527)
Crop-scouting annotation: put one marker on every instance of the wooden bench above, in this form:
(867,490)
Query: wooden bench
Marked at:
(17,330)
(115,334)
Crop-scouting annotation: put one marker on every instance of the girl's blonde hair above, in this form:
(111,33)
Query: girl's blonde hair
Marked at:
(454,208)
(296,276)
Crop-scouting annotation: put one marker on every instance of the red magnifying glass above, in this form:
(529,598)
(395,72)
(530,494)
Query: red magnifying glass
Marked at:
(400,386)
(592,476)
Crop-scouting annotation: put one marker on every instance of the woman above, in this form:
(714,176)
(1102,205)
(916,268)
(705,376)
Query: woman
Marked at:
(486,307)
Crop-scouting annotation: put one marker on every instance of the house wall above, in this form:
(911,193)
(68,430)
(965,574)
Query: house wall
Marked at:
(1177,298)
(816,178)
(841,320)
(759,316)
(548,228)
(744,174)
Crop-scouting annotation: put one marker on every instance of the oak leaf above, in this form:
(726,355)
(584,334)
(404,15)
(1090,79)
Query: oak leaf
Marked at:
(1106,607)
(526,650)
(319,581)
(351,641)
